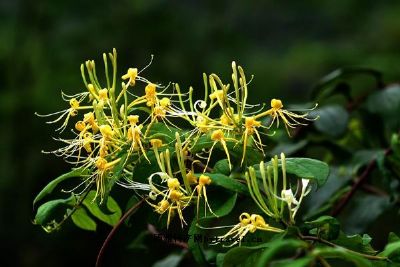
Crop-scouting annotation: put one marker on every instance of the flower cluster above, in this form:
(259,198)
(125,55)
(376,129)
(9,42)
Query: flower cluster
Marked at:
(116,126)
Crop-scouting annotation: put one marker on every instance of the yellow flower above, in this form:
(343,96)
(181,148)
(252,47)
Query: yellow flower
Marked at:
(251,125)
(174,198)
(131,74)
(151,94)
(290,119)
(247,223)
(204,180)
(218,136)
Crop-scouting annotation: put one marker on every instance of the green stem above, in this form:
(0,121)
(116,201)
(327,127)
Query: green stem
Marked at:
(326,242)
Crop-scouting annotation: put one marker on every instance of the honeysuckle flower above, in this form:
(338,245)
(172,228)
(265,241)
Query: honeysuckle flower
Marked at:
(247,224)
(66,114)
(290,119)
(108,140)
(218,136)
(174,198)
(251,126)
(203,182)
(131,75)
(289,198)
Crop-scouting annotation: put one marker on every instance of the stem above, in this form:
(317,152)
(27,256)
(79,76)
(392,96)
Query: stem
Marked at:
(323,262)
(326,242)
(114,230)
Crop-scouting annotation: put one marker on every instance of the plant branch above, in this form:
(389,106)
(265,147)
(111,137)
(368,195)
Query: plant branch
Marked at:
(326,242)
(357,184)
(114,230)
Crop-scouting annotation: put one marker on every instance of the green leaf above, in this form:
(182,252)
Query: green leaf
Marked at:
(324,86)
(321,200)
(195,247)
(392,251)
(222,167)
(307,168)
(279,247)
(385,102)
(82,220)
(243,256)
(332,120)
(362,211)
(50,186)
(363,157)
(161,131)
(228,183)
(328,227)
(393,238)
(48,210)
(300,262)
(337,252)
(111,219)
(288,148)
(171,260)
(355,242)
(115,175)
(221,206)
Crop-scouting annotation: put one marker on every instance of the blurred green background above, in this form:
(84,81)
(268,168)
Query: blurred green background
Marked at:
(287,46)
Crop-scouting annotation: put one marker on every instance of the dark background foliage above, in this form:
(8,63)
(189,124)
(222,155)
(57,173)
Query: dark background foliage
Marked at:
(287,46)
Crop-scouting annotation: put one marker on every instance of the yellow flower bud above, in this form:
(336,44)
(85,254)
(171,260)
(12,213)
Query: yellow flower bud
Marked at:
(74,103)
(204,180)
(218,94)
(80,126)
(103,94)
(165,102)
(175,195)
(173,183)
(101,163)
(106,130)
(217,135)
(156,142)
(131,74)
(163,205)
(276,104)
(133,119)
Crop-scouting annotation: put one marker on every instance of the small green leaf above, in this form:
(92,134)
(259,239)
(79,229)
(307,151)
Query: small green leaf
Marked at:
(392,250)
(94,209)
(328,227)
(228,183)
(355,242)
(393,238)
(48,210)
(332,120)
(50,186)
(82,220)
